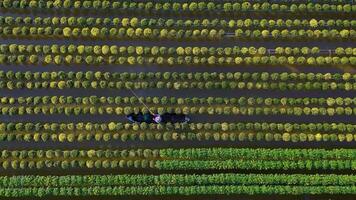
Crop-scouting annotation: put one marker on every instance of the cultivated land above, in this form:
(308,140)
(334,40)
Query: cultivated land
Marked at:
(269,87)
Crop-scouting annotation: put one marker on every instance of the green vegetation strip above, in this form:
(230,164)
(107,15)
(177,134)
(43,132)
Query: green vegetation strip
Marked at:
(166,55)
(177,180)
(182,159)
(167,22)
(181,76)
(308,165)
(169,184)
(263,154)
(218,126)
(177,7)
(126,132)
(175,190)
(173,80)
(171,100)
(256,159)
(93,105)
(175,34)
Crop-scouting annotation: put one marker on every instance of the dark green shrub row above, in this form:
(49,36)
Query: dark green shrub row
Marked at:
(234,51)
(179,180)
(181,76)
(172,22)
(178,7)
(177,34)
(176,101)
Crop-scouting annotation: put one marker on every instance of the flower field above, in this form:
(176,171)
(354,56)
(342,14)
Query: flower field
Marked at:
(269,88)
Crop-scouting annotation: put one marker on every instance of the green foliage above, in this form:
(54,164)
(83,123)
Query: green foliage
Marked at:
(162,55)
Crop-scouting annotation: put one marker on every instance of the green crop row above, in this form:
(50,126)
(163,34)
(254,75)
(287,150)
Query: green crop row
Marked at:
(76,110)
(257,154)
(21,59)
(180,76)
(255,165)
(176,34)
(70,105)
(135,22)
(191,127)
(256,159)
(166,136)
(85,154)
(138,55)
(177,85)
(106,50)
(233,132)
(198,7)
(175,80)
(176,190)
(183,159)
(176,101)
(179,180)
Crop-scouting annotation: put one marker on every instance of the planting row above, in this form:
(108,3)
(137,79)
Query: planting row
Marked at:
(61,132)
(176,34)
(299,34)
(176,85)
(175,190)
(259,159)
(183,184)
(183,159)
(175,101)
(135,22)
(267,154)
(167,136)
(113,50)
(181,76)
(85,154)
(176,60)
(95,80)
(199,7)
(179,180)
(112,127)
(76,110)
(255,165)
